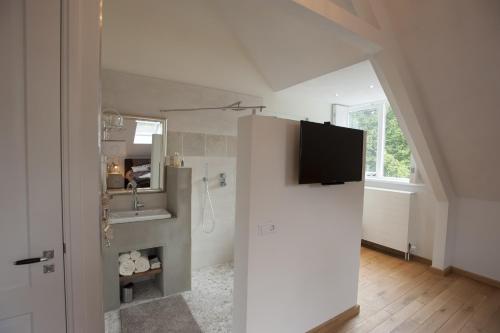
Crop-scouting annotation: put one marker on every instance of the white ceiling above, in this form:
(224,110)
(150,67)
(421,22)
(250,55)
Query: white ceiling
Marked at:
(356,84)
(288,43)
(197,42)
(233,45)
(185,41)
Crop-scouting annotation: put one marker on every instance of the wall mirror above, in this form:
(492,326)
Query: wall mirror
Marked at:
(134,149)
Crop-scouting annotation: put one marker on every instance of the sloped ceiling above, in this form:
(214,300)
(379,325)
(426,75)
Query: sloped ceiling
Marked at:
(178,40)
(288,43)
(346,4)
(356,84)
(452,49)
(246,46)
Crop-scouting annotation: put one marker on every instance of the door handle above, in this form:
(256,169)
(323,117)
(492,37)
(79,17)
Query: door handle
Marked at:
(46,256)
(30,261)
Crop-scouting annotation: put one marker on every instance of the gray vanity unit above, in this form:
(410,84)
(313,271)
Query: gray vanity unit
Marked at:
(170,238)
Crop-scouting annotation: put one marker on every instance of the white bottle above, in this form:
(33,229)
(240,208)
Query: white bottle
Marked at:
(177,160)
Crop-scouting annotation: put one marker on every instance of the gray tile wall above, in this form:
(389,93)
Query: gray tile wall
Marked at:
(200,144)
(192,144)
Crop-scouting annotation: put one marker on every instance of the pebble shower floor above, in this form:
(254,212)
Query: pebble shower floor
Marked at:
(210,301)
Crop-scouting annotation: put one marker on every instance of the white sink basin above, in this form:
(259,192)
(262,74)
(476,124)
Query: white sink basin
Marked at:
(137,216)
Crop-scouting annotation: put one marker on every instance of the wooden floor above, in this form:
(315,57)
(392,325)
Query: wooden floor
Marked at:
(399,296)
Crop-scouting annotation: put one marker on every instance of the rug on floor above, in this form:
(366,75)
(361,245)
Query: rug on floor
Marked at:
(168,315)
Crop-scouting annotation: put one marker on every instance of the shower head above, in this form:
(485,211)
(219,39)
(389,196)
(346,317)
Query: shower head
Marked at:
(236,106)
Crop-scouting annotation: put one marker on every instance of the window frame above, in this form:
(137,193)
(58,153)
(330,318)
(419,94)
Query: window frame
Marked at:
(382,108)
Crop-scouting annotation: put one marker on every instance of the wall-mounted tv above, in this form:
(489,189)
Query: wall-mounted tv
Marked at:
(330,154)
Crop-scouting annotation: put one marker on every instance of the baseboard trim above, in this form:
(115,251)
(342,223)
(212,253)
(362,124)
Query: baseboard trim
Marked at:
(443,272)
(383,249)
(421,260)
(393,252)
(473,276)
(476,277)
(332,325)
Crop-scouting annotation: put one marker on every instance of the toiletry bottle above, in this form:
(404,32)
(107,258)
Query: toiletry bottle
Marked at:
(177,160)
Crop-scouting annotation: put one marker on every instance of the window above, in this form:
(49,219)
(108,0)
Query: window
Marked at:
(397,155)
(367,120)
(145,129)
(387,152)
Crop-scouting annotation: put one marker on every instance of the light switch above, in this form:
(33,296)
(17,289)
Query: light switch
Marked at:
(265,229)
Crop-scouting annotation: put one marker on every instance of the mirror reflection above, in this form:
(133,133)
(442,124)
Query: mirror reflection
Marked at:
(135,149)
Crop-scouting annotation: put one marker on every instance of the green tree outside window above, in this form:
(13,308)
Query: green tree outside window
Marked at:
(397,154)
(367,120)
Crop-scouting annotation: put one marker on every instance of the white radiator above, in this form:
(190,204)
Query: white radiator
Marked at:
(387,217)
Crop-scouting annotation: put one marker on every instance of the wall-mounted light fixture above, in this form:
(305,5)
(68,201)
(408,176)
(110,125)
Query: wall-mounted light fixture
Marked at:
(113,168)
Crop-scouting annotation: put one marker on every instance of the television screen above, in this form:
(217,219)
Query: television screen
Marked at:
(330,154)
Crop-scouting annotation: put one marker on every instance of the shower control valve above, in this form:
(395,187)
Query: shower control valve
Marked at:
(222,179)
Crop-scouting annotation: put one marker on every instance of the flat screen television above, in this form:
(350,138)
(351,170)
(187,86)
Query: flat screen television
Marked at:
(330,154)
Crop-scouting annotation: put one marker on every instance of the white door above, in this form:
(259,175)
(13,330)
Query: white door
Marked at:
(31,296)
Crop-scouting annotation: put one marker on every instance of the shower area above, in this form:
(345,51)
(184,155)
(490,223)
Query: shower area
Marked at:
(213,162)
(204,140)
(212,159)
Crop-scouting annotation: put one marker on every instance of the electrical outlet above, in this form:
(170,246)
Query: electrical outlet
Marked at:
(266,229)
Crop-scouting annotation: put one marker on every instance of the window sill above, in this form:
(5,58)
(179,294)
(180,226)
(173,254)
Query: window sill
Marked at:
(392,184)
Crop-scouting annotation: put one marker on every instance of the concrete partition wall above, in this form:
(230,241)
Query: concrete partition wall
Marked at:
(170,237)
(306,272)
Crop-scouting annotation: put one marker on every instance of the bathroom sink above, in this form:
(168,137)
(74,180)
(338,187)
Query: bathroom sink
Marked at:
(137,216)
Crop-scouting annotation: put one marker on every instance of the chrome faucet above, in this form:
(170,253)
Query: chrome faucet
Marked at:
(137,204)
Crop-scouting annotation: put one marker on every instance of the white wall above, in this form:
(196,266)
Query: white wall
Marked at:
(146,95)
(80,104)
(307,272)
(425,216)
(477,232)
(285,104)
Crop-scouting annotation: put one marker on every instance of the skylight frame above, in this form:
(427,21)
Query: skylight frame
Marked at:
(144,130)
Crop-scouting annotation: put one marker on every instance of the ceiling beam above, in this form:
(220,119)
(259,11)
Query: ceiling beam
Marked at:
(365,35)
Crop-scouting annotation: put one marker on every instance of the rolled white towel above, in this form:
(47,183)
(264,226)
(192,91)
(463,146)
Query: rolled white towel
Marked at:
(141,264)
(155,266)
(134,255)
(127,268)
(154,263)
(124,257)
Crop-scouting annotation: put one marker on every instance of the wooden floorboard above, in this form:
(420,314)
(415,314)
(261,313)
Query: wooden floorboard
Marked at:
(400,296)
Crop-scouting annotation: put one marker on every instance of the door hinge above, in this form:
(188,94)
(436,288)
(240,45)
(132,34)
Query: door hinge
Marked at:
(64,247)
